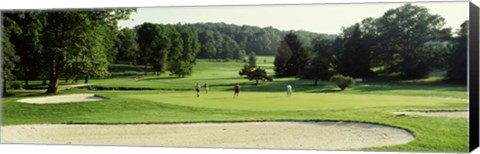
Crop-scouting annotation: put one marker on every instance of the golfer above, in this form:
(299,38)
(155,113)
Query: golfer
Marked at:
(206,88)
(289,90)
(197,88)
(237,90)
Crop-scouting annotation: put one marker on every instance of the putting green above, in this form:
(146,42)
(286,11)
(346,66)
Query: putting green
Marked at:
(299,101)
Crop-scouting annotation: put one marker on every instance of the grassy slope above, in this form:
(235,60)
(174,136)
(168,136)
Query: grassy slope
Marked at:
(371,101)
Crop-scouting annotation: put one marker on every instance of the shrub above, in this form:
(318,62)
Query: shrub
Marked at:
(226,60)
(343,81)
(16,85)
(130,73)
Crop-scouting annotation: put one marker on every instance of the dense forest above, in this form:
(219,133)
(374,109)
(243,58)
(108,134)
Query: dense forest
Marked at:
(261,41)
(407,42)
(228,41)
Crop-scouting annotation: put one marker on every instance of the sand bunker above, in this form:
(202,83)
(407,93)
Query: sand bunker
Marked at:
(73,98)
(273,135)
(451,114)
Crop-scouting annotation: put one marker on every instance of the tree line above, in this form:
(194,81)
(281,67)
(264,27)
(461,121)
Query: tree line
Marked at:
(407,42)
(228,41)
(160,47)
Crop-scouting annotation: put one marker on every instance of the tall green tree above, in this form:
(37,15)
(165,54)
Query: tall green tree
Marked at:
(146,40)
(185,47)
(320,66)
(355,58)
(291,57)
(92,50)
(284,53)
(208,49)
(67,37)
(230,49)
(154,43)
(127,46)
(8,51)
(27,44)
(457,70)
(404,36)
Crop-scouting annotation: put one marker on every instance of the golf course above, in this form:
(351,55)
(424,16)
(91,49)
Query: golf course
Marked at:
(284,78)
(166,100)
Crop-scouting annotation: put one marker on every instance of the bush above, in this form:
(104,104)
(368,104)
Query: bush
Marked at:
(226,60)
(16,85)
(343,81)
(130,73)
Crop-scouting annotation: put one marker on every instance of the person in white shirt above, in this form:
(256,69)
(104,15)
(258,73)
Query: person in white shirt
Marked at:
(289,90)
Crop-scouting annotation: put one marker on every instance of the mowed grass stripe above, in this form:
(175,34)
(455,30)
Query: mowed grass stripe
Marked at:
(300,101)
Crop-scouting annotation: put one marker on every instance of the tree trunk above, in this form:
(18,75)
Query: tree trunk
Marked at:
(66,79)
(86,79)
(145,70)
(26,76)
(256,82)
(52,86)
(135,62)
(4,87)
(26,82)
(44,82)
(316,81)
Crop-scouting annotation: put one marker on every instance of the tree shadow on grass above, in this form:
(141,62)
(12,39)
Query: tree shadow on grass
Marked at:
(159,78)
(25,94)
(324,91)
(401,86)
(280,86)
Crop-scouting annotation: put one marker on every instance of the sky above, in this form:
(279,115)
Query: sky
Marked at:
(320,18)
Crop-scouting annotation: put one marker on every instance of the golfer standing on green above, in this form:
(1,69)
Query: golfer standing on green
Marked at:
(206,87)
(289,90)
(237,90)
(197,88)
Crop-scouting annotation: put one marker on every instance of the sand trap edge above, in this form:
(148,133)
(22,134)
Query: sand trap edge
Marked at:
(63,99)
(434,113)
(361,125)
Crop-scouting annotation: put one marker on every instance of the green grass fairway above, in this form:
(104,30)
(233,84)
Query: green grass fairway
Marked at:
(173,100)
(268,101)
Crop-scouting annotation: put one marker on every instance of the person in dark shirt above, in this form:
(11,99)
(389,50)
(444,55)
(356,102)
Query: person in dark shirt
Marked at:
(206,87)
(237,90)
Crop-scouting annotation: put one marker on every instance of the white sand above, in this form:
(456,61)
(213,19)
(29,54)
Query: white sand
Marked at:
(273,135)
(451,114)
(72,98)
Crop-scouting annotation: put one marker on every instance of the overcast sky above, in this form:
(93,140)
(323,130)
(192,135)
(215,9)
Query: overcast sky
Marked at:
(322,18)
